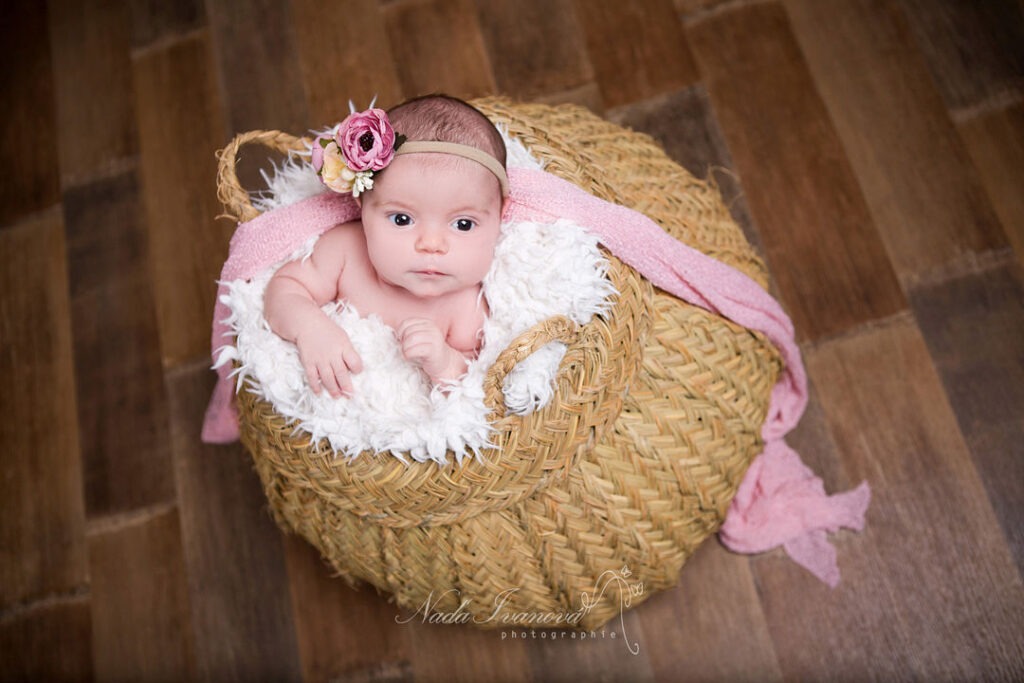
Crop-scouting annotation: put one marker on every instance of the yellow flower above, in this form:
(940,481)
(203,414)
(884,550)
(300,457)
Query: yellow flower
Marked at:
(336,175)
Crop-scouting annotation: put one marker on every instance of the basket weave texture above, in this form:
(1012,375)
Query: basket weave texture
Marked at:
(656,417)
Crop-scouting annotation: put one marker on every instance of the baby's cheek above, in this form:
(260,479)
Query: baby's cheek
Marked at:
(477,262)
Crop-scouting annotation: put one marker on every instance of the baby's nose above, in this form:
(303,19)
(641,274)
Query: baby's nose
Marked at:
(432,241)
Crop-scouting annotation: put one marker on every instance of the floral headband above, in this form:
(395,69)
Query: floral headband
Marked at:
(365,142)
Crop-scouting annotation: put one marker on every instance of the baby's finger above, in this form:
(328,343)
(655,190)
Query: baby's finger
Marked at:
(312,378)
(412,337)
(418,352)
(330,382)
(411,345)
(410,325)
(345,383)
(340,374)
(352,360)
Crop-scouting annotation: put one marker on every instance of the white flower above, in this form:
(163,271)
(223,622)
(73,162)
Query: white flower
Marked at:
(362,181)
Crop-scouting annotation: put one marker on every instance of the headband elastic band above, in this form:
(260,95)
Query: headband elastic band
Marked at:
(465,151)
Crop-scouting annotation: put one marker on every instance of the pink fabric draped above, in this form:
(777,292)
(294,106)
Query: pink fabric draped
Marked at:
(780,501)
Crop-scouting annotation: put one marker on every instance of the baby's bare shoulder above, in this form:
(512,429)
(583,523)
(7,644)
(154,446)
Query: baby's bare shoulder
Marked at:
(342,236)
(342,244)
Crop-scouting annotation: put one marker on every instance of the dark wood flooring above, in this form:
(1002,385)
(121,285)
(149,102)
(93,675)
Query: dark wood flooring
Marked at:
(873,150)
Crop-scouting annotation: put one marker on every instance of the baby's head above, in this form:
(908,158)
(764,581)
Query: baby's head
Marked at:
(441,118)
(444,131)
(433,216)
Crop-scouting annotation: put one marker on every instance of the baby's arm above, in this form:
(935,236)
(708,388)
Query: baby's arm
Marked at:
(424,344)
(291,306)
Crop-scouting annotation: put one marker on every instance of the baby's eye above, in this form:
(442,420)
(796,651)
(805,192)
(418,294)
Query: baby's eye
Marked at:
(400,219)
(464,224)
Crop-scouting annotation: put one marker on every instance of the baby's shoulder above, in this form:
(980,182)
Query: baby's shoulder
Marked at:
(342,235)
(341,244)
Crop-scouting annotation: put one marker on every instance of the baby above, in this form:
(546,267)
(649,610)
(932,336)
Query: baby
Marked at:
(429,176)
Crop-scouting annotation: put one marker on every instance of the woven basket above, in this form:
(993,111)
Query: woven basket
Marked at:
(590,504)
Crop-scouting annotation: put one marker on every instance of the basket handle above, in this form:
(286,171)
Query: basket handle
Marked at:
(231,194)
(556,328)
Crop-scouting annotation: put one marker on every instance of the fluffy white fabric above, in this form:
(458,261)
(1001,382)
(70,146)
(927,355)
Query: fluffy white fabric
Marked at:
(539,270)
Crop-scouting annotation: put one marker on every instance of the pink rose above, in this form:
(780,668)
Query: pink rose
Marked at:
(367,140)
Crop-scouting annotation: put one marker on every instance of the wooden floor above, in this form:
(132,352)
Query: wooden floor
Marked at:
(872,149)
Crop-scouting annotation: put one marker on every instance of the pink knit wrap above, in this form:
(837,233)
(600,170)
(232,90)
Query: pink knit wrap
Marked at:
(780,501)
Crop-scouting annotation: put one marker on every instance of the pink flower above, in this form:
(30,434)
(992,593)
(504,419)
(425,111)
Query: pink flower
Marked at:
(366,140)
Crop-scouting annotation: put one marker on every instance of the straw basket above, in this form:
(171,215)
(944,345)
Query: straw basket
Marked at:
(591,504)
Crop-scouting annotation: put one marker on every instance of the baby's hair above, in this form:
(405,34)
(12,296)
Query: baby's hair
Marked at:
(443,118)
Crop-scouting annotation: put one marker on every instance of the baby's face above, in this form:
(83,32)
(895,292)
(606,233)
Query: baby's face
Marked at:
(431,223)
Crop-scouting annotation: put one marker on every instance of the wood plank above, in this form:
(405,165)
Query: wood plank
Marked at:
(926,198)
(587,95)
(535,47)
(799,184)
(995,141)
(438,47)
(155,20)
(28,148)
(140,606)
(238,586)
(334,41)
(684,125)
(122,407)
(973,327)
(692,630)
(689,9)
(180,128)
(929,589)
(93,80)
(42,528)
(812,439)
(254,47)
(343,633)
(260,78)
(459,652)
(602,654)
(50,642)
(974,49)
(638,49)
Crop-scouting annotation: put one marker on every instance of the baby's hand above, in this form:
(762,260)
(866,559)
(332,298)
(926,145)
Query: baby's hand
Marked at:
(424,344)
(328,357)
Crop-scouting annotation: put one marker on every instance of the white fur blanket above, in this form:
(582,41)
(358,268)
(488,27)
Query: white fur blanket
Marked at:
(539,270)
